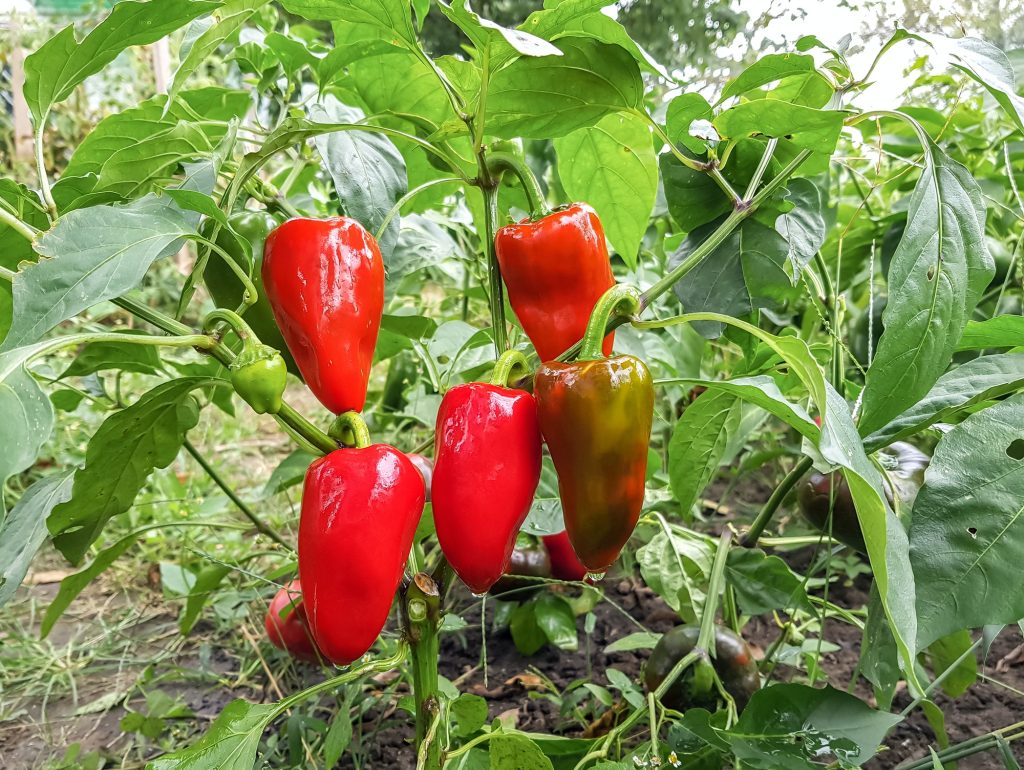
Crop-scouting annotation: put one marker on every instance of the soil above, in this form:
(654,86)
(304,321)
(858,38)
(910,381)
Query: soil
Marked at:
(514,686)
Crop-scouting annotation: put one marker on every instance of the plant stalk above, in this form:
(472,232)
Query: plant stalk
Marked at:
(421,616)
(749,539)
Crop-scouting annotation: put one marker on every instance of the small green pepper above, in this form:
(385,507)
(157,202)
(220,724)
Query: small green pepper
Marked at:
(259,375)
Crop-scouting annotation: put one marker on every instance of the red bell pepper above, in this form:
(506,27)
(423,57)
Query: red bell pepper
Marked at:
(360,508)
(564,564)
(487,456)
(325,282)
(555,269)
(287,627)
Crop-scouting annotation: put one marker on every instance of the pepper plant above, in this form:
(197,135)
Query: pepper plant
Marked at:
(752,232)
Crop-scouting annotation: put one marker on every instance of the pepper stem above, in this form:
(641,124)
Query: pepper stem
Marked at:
(507,363)
(498,162)
(349,430)
(622,299)
(232,319)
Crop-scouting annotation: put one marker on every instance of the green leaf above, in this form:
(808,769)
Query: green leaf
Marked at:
(551,96)
(24,529)
(470,714)
(943,655)
(767,69)
(612,167)
(100,356)
(289,472)
(96,254)
(761,391)
(936,277)
(968,526)
(805,127)
(745,272)
(682,111)
(584,18)
(127,448)
(230,743)
(981,379)
(224,23)
(73,585)
(803,226)
(764,583)
(1002,331)
(556,619)
(527,635)
(878,655)
(27,416)
(640,640)
(54,70)
(516,752)
(339,735)
(133,151)
(390,16)
(788,726)
(674,565)
(367,169)
(207,581)
(698,443)
(486,34)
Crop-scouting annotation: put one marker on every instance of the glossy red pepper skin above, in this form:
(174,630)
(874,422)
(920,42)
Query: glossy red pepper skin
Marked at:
(291,632)
(325,282)
(360,508)
(564,564)
(487,457)
(555,270)
(596,418)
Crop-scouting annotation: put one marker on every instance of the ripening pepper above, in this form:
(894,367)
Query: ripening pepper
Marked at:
(227,290)
(564,564)
(487,457)
(555,269)
(596,415)
(528,562)
(325,281)
(822,494)
(733,661)
(360,508)
(286,624)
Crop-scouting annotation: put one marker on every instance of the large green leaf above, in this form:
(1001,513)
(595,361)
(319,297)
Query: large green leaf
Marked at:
(1001,331)
(393,17)
(612,167)
(133,150)
(764,583)
(230,743)
(96,254)
(62,62)
(936,277)
(24,529)
(746,271)
(682,111)
(551,96)
(803,226)
(698,443)
(768,69)
(27,418)
(367,169)
(980,379)
(789,726)
(498,42)
(208,35)
(967,532)
(804,127)
(516,752)
(15,247)
(126,449)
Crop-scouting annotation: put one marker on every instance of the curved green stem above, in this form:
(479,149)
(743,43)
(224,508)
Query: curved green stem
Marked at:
(496,291)
(622,299)
(249,295)
(232,319)
(768,511)
(44,180)
(350,430)
(24,229)
(509,362)
(499,162)
(257,522)
(271,197)
(301,428)
(408,197)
